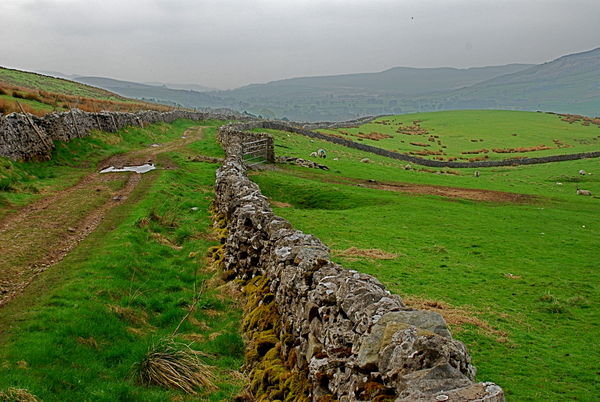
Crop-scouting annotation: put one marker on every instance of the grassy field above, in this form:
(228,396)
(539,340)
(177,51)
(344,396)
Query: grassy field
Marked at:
(518,281)
(80,330)
(485,134)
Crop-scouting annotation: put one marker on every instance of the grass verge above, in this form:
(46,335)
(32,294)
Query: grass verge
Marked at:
(80,329)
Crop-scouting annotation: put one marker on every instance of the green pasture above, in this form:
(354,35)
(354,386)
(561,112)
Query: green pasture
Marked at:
(528,271)
(471,130)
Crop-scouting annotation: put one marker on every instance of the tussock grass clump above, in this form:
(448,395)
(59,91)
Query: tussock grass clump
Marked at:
(173,364)
(17,395)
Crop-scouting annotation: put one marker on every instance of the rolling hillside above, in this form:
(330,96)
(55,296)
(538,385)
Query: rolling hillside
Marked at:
(570,84)
(153,93)
(41,94)
(398,80)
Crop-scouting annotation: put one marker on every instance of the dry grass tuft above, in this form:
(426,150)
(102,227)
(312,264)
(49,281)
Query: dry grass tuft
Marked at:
(135,317)
(372,253)
(91,342)
(192,337)
(164,241)
(136,331)
(175,365)
(455,316)
(17,395)
(201,325)
(279,204)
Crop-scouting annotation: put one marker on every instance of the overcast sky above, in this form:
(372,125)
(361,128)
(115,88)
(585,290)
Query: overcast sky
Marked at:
(229,43)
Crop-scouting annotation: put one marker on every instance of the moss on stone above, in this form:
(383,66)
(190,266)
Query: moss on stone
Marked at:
(271,378)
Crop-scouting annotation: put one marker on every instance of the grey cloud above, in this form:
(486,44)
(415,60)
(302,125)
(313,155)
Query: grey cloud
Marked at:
(229,43)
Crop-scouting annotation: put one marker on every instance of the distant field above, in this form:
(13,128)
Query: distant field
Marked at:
(478,134)
(516,277)
(39,94)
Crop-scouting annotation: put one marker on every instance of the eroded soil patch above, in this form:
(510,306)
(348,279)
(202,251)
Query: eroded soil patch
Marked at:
(457,317)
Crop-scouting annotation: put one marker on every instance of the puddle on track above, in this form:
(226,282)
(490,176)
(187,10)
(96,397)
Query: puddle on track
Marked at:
(146,167)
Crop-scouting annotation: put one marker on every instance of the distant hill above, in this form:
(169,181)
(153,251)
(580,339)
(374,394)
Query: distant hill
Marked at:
(341,97)
(191,87)
(569,84)
(152,93)
(397,80)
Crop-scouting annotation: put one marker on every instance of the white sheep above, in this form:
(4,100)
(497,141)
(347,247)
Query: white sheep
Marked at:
(322,153)
(476,173)
(582,172)
(584,192)
(407,166)
(313,154)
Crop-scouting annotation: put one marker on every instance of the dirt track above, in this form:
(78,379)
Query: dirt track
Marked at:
(43,233)
(425,189)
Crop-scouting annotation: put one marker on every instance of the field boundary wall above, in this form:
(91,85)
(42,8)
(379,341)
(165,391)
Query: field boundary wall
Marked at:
(341,329)
(28,137)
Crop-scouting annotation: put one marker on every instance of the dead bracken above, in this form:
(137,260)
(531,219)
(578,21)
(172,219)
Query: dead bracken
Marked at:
(457,317)
(18,395)
(371,253)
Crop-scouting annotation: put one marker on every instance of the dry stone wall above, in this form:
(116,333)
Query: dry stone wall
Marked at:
(342,329)
(25,137)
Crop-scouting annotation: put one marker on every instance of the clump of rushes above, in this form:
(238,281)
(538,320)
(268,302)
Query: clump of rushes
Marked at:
(17,395)
(173,364)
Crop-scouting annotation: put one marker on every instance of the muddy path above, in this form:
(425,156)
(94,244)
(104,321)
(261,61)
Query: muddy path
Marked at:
(44,232)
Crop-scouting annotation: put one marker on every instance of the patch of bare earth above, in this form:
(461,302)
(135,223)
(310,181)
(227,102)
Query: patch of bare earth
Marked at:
(453,192)
(456,317)
(43,233)
(370,253)
(279,204)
